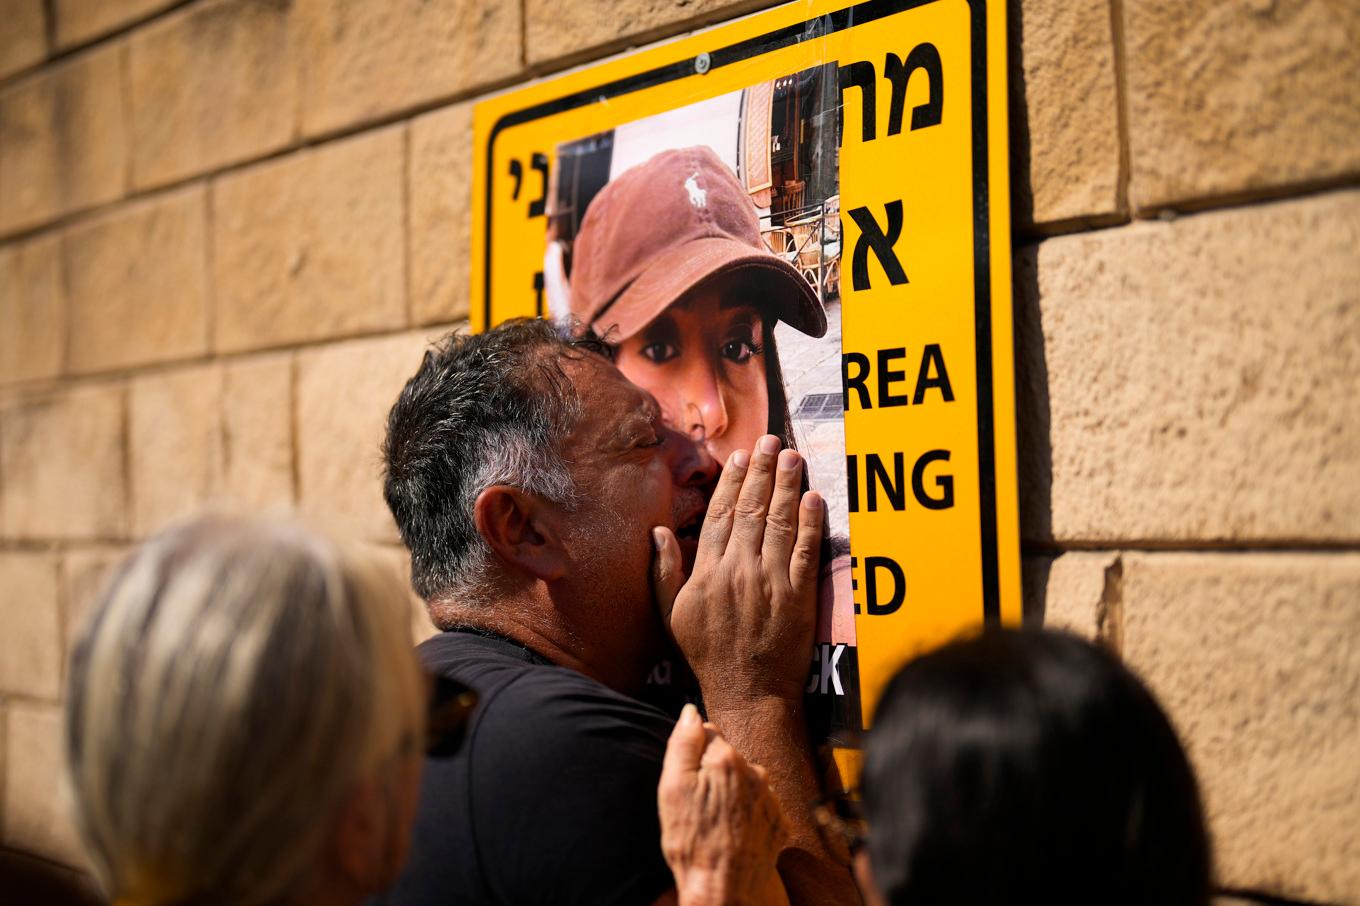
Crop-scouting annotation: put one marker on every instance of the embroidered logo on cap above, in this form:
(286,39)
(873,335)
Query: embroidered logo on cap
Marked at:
(697,196)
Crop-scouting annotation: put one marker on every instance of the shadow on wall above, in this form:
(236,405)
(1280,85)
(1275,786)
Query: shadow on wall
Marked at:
(1022,195)
(1034,447)
(1033,438)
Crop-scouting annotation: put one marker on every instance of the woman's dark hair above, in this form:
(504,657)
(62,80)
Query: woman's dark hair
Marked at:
(780,419)
(1030,766)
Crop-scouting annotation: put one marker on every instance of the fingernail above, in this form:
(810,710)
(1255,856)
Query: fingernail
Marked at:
(689,714)
(769,444)
(812,500)
(788,459)
(741,459)
(658,540)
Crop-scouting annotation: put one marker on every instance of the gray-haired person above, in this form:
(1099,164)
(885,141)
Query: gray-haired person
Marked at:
(245,719)
(552,516)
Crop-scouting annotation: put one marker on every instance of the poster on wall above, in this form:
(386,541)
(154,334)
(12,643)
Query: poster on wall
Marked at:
(797,223)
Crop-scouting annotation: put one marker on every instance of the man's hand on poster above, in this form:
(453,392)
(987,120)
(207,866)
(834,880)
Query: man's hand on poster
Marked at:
(721,827)
(744,618)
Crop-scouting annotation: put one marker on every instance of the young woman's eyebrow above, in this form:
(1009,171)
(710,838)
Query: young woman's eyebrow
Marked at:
(661,328)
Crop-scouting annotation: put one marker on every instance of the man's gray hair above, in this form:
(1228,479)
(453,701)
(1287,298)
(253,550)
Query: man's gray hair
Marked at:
(506,457)
(483,409)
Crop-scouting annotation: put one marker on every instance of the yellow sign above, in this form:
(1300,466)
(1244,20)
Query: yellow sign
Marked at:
(870,143)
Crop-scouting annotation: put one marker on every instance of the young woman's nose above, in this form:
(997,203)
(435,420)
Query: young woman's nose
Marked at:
(703,412)
(691,463)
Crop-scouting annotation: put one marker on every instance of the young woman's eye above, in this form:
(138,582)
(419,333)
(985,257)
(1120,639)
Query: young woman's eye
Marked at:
(659,352)
(740,350)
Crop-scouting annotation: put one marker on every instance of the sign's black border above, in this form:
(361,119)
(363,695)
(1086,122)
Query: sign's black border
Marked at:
(812,29)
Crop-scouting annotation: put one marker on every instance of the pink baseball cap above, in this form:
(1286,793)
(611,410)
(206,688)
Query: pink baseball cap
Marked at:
(664,227)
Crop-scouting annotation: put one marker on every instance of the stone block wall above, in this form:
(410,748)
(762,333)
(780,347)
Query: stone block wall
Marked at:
(229,227)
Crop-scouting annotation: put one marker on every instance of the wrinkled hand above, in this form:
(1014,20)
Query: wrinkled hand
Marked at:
(721,827)
(745,617)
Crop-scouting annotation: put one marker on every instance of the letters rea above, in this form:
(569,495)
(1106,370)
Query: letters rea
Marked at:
(931,375)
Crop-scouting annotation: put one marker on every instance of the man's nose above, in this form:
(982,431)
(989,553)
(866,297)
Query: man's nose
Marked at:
(690,462)
(704,411)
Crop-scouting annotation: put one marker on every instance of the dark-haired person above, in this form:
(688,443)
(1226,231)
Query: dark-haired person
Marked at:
(1028,766)
(551,514)
(669,266)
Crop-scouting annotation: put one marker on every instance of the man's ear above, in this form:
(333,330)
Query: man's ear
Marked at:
(519,528)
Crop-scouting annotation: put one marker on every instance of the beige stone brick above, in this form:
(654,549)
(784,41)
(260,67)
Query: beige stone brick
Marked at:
(343,397)
(30,645)
(137,284)
(23,35)
(397,561)
(553,30)
(421,627)
(257,431)
(213,85)
(1200,378)
(1065,104)
(37,816)
(1257,659)
(32,310)
(79,21)
(84,574)
(1080,594)
(1229,98)
(366,60)
(441,202)
(61,464)
(62,140)
(174,444)
(312,246)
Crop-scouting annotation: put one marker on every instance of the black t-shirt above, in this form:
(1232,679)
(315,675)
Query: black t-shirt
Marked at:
(552,796)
